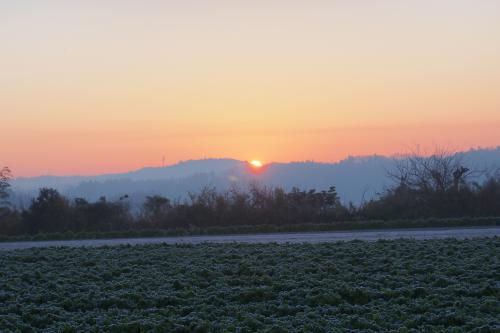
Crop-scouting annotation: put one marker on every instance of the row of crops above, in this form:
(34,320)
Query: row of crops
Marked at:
(400,286)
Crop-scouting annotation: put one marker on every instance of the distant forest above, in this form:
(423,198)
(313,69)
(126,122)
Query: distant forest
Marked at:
(439,186)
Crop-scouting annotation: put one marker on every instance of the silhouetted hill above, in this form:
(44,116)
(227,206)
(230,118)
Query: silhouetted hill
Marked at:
(176,171)
(356,178)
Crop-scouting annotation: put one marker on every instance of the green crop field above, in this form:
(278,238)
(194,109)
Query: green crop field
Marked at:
(398,286)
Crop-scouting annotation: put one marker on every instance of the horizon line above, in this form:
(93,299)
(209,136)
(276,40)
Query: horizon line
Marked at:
(179,162)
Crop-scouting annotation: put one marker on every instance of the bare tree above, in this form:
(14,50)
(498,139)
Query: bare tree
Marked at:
(442,171)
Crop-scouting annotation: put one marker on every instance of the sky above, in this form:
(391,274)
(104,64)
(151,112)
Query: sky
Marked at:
(90,87)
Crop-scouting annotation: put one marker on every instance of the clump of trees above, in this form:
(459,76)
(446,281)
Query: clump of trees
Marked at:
(437,186)
(52,212)
(258,205)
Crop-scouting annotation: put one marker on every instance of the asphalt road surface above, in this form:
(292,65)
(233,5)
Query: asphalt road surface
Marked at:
(305,237)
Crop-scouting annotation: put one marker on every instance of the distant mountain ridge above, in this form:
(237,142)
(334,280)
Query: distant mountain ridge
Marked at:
(356,178)
(178,170)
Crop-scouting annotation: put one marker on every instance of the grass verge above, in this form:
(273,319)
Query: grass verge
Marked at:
(251,229)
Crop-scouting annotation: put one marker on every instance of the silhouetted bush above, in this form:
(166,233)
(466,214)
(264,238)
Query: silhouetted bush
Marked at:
(259,205)
(49,212)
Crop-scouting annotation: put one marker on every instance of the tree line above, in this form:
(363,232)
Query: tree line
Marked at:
(436,186)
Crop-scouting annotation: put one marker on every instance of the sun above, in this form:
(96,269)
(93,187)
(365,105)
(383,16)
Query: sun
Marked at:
(256,163)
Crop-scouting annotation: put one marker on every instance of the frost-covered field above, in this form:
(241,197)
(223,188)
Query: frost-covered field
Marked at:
(403,285)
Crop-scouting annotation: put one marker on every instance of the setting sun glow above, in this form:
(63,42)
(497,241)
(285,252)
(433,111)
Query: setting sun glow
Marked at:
(256,163)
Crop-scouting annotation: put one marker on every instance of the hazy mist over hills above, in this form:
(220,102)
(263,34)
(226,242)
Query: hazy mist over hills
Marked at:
(356,178)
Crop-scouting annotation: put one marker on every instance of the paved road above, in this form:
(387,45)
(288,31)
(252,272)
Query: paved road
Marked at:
(306,237)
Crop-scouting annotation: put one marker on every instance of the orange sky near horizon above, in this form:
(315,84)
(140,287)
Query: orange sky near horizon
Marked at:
(89,87)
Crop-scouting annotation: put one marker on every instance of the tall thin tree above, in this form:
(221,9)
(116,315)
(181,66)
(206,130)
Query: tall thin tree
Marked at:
(5,177)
